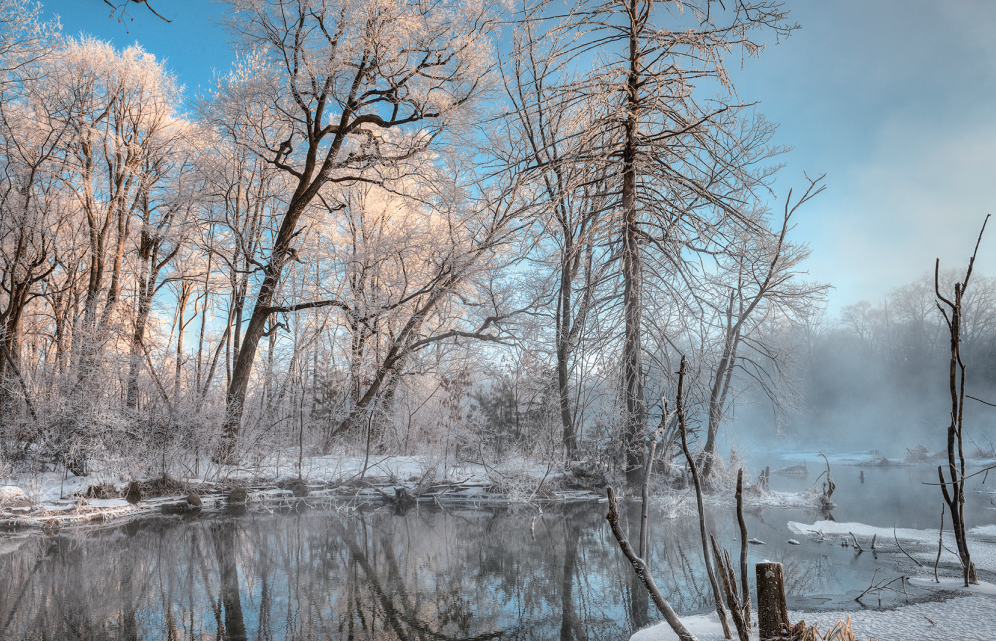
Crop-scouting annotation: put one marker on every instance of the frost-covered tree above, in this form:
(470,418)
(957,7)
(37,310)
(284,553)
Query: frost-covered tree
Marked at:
(679,164)
(319,83)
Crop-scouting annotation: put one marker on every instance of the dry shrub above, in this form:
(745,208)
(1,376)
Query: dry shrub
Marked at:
(839,631)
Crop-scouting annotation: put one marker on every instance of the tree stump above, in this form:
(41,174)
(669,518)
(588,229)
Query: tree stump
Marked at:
(134,492)
(299,488)
(772,613)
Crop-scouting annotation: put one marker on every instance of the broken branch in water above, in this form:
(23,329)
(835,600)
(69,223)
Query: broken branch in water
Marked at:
(745,584)
(902,550)
(729,581)
(720,609)
(964,478)
(829,486)
(883,585)
(643,572)
(856,544)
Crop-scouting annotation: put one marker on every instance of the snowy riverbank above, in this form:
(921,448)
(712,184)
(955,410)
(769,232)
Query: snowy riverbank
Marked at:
(55,500)
(942,610)
(964,618)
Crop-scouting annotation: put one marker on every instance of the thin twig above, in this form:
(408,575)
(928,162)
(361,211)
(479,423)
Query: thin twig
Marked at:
(980,400)
(964,478)
(940,544)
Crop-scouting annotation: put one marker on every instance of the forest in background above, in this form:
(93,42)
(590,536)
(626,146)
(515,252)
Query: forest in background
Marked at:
(448,228)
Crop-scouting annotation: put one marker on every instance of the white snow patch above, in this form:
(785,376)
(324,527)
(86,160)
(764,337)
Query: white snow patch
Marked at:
(705,627)
(10,493)
(107,503)
(983,551)
(982,588)
(983,530)
(835,528)
(964,618)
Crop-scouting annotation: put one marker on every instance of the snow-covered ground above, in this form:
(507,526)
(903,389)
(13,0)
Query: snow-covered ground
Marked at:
(982,549)
(968,617)
(964,619)
(52,500)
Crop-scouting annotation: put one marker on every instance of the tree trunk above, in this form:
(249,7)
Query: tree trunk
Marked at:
(635,417)
(239,385)
(563,357)
(772,613)
(146,286)
(680,408)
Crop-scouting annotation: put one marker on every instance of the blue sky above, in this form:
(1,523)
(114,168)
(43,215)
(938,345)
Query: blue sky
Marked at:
(895,100)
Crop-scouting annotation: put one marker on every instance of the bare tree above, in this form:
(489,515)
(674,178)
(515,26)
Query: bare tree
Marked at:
(164,212)
(954,490)
(24,42)
(123,118)
(673,159)
(763,281)
(545,125)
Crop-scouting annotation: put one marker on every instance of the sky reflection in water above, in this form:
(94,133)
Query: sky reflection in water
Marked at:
(424,574)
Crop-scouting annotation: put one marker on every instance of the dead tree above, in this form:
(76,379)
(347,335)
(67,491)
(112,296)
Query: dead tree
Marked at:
(772,612)
(726,573)
(720,610)
(745,583)
(954,490)
(640,567)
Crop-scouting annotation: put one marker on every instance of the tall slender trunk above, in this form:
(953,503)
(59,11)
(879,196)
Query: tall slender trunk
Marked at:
(123,227)
(137,347)
(204,312)
(564,317)
(635,408)
(720,388)
(148,251)
(955,497)
(238,385)
(186,289)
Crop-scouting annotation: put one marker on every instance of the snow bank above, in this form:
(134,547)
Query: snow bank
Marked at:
(705,627)
(983,551)
(11,492)
(983,530)
(964,618)
(49,500)
(982,588)
(863,531)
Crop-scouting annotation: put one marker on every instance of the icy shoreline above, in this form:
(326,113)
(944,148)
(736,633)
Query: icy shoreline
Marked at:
(966,618)
(950,611)
(51,501)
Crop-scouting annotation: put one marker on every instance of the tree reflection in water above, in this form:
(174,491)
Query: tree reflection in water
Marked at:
(426,574)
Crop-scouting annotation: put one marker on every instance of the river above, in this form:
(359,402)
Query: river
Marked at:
(519,572)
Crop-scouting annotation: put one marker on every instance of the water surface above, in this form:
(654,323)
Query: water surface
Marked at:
(526,572)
